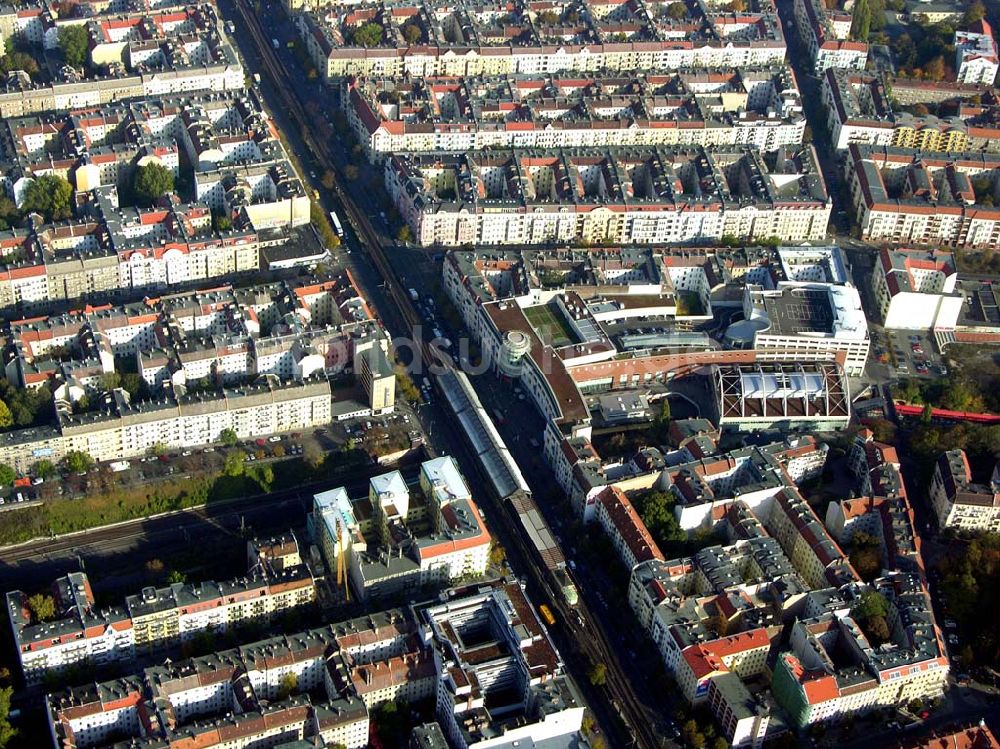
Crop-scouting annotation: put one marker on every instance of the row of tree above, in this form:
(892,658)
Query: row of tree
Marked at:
(970,581)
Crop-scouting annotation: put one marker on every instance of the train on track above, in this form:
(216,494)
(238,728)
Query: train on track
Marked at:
(508,485)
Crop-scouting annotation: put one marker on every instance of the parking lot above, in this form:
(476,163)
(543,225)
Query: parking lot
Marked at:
(908,353)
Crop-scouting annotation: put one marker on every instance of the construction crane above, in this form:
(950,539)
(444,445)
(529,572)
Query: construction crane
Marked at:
(341,562)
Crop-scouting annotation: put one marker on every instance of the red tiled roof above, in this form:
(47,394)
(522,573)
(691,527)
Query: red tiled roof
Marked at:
(629,525)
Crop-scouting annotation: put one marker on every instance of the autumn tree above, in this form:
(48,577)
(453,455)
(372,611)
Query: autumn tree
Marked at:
(866,556)
(934,69)
(412,33)
(42,607)
(288,685)
(975,12)
(598,674)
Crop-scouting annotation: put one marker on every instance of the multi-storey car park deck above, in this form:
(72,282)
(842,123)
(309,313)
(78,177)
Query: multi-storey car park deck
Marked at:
(760,107)
(153,52)
(622,195)
(486,37)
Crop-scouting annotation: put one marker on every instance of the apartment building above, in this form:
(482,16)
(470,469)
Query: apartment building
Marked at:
(628,534)
(491,39)
(816,556)
(493,651)
(613,196)
(81,634)
(859,110)
(916,289)
(760,107)
(715,618)
(958,501)
(125,430)
(377,374)
(976,58)
(426,535)
(826,34)
(813,687)
(125,251)
(254,359)
(230,141)
(239,698)
(152,52)
(904,197)
(150,621)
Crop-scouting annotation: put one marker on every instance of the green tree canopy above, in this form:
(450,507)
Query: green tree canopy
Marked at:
(131,383)
(871,603)
(49,195)
(7,732)
(6,418)
(870,612)
(861,23)
(677,10)
(74,41)
(235,464)
(151,181)
(17,60)
(368,35)
(656,509)
(8,213)
(221,222)
(77,461)
(43,469)
(7,475)
(228,437)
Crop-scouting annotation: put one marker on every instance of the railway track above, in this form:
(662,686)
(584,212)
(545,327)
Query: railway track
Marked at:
(586,633)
